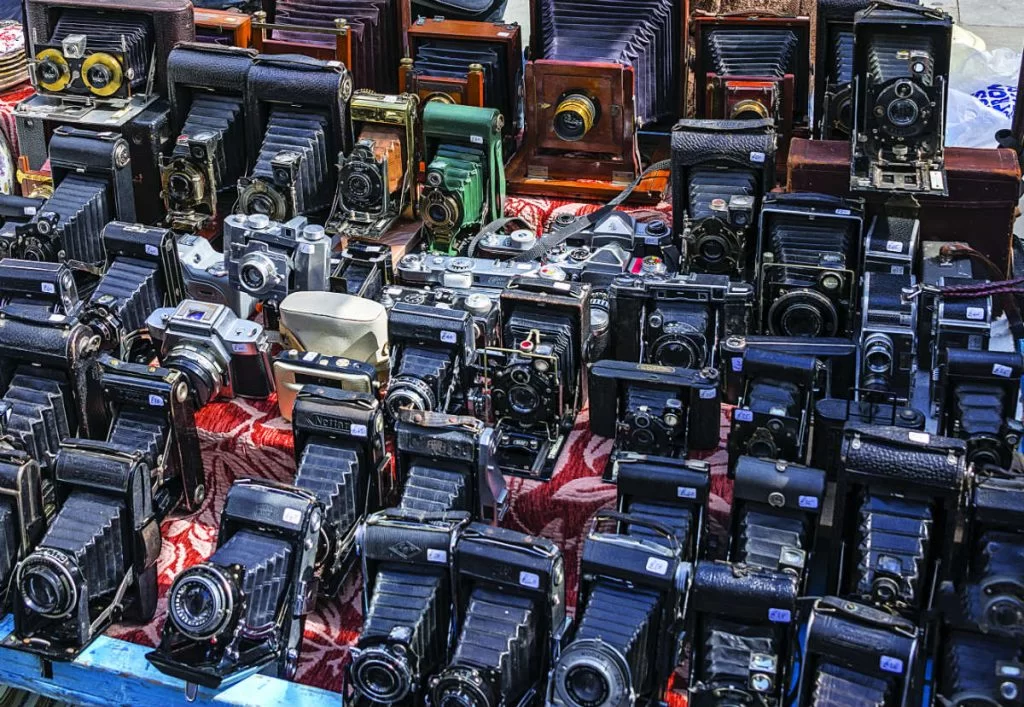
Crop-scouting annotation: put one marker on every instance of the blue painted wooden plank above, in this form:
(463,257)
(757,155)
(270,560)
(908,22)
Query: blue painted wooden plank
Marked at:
(115,672)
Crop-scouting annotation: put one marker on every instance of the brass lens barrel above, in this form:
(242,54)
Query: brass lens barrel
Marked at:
(575,116)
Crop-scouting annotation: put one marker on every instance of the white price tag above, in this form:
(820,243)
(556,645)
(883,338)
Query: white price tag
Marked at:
(529,579)
(358,430)
(809,502)
(152,250)
(47,287)
(780,616)
(476,139)
(708,393)
(292,516)
(656,565)
(239,348)
(1001,370)
(976,313)
(449,337)
(894,247)
(29,210)
(891,665)
(437,556)
(843,212)
(744,415)
(757,157)
(737,363)
(920,437)
(897,270)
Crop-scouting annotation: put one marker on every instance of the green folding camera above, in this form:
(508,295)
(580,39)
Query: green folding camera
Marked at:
(465,178)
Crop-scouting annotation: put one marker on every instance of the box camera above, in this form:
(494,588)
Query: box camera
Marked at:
(293,173)
(431,352)
(408,598)
(676,321)
(367,36)
(892,243)
(723,168)
(268,260)
(534,383)
(22,508)
(15,212)
(656,410)
(363,269)
(510,617)
(92,179)
(465,177)
(670,492)
(97,561)
(214,144)
(776,507)
(446,463)
(341,459)
(629,633)
(752,67)
(206,276)
(772,419)
(900,518)
(832,414)
(468,63)
(900,74)
(142,274)
(888,335)
(45,357)
(854,649)
(152,413)
(979,395)
(743,627)
(294,369)
(244,608)
(809,252)
(376,180)
(941,265)
(222,355)
(837,362)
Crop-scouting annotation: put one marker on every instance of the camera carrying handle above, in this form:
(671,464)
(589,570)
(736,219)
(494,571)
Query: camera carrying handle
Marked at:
(479,10)
(627,519)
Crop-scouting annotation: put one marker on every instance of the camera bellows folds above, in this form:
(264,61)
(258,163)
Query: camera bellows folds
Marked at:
(739,52)
(129,291)
(38,419)
(678,519)
(976,668)
(331,474)
(735,653)
(887,58)
(77,212)
(642,34)
(139,431)
(837,685)
(764,537)
(265,560)
(221,115)
(894,538)
(432,490)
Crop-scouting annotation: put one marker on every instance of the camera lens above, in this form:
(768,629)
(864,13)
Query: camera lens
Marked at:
(985,455)
(408,392)
(712,250)
(437,213)
(252,277)
(803,313)
(49,72)
(575,116)
(359,186)
(902,112)
(199,603)
(878,354)
(587,686)
(261,204)
(523,400)
(379,675)
(46,585)
(205,374)
(99,76)
(180,186)
(749,110)
(591,673)
(1006,613)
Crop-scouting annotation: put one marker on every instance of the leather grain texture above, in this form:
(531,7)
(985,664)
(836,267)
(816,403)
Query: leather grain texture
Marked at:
(904,457)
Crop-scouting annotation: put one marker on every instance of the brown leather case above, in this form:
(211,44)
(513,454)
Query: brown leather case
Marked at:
(984,187)
(223,27)
(172,21)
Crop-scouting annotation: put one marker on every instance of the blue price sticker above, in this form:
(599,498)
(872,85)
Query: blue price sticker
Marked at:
(780,616)
(744,415)
(809,502)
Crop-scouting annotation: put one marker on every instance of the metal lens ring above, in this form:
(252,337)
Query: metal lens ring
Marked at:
(363,186)
(257,274)
(717,247)
(183,183)
(878,354)
(206,373)
(575,116)
(590,673)
(382,676)
(441,211)
(46,583)
(804,313)
(200,603)
(259,197)
(102,74)
(409,392)
(52,70)
(680,345)
(461,687)
(749,109)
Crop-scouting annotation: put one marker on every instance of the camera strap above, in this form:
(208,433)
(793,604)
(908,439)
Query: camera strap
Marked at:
(556,238)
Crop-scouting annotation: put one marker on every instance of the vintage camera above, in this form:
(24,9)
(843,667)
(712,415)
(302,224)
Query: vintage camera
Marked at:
(152,413)
(293,173)
(962,321)
(752,67)
(893,240)
(723,168)
(809,246)
(368,36)
(837,359)
(743,622)
(363,269)
(97,561)
(900,519)
(376,180)
(776,507)
(534,383)
(15,211)
(676,321)
(459,272)
(206,276)
(980,669)
(222,355)
(341,459)
(408,598)
(268,260)
(482,305)
(831,415)
(672,493)
(45,358)
(629,629)
(772,419)
(856,651)
(92,180)
(465,177)
(888,335)
(980,391)
(22,508)
(900,75)
(294,369)
(656,410)
(942,265)
(214,145)
(510,618)
(431,352)
(244,608)
(446,463)
(469,63)
(142,274)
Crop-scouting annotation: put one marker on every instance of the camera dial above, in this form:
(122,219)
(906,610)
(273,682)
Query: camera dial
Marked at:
(462,687)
